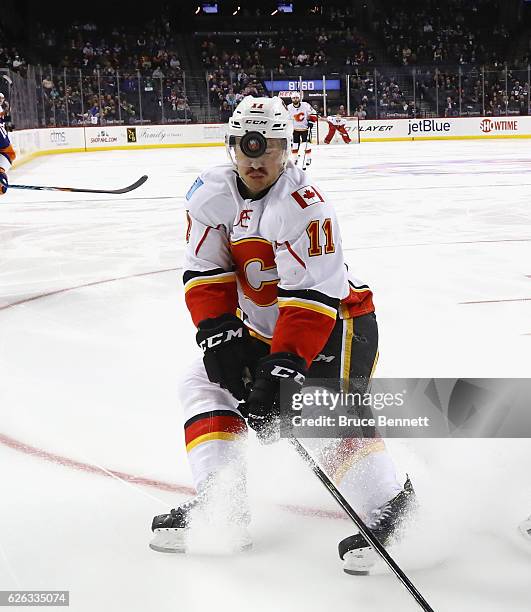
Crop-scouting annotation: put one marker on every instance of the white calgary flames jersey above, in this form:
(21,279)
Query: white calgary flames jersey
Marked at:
(278,259)
(337,120)
(300,115)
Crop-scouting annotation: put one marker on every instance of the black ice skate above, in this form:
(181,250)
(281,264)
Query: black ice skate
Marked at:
(171,531)
(385,523)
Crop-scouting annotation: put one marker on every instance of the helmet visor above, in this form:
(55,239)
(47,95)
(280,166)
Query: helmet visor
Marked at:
(253,148)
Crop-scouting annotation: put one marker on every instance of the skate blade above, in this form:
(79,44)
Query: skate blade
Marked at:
(176,541)
(359,562)
(169,541)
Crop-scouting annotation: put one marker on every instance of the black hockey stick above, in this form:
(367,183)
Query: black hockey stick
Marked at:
(127,189)
(364,530)
(306,144)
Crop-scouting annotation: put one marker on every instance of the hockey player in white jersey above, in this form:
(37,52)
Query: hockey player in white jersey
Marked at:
(269,292)
(304,118)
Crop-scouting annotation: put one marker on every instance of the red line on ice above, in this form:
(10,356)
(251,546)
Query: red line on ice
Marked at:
(415,244)
(33,451)
(498,301)
(91,284)
(27,449)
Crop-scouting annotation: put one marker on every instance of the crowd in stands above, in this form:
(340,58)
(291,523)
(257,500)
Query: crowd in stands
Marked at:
(236,68)
(474,92)
(377,96)
(71,99)
(10,55)
(231,75)
(457,33)
(448,59)
(442,93)
(113,76)
(318,49)
(452,32)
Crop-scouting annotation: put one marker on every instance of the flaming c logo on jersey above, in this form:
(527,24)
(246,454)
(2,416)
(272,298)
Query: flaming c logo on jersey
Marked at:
(299,117)
(256,269)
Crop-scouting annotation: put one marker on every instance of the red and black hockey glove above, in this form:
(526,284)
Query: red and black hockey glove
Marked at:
(277,378)
(227,348)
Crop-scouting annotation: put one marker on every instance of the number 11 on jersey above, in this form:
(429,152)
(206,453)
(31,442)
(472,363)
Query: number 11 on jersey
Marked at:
(314,234)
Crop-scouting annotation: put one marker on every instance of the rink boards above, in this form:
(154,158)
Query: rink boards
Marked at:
(31,143)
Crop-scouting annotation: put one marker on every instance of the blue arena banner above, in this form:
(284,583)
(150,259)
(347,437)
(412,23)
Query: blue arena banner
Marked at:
(305,85)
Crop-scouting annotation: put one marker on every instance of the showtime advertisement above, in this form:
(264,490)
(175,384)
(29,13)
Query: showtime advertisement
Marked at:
(498,125)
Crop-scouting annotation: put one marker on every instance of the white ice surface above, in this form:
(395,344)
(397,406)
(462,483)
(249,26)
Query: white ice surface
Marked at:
(89,375)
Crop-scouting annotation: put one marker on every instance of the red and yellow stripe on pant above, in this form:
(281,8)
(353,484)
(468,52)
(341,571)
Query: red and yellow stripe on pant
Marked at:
(214,425)
(343,455)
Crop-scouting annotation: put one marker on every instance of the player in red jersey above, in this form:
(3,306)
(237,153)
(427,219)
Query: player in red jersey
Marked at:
(337,123)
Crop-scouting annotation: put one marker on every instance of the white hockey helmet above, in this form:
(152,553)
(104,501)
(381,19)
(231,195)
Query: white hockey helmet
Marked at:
(254,121)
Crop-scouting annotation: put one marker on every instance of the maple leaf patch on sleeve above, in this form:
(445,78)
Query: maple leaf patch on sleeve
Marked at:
(306,196)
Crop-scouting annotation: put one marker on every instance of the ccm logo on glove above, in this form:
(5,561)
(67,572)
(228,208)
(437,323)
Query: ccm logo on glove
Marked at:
(217,339)
(283,372)
(227,349)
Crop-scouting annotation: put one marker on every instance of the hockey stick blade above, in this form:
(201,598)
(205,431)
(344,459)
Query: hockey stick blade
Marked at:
(364,530)
(127,189)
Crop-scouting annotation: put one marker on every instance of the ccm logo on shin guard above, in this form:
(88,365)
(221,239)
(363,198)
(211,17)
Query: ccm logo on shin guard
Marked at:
(283,372)
(322,357)
(220,338)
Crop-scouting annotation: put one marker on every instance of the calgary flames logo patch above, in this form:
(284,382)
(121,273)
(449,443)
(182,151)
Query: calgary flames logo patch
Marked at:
(306,196)
(256,269)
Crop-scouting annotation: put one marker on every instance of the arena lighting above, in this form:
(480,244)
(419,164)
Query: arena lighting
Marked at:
(198,10)
(274,12)
(236,11)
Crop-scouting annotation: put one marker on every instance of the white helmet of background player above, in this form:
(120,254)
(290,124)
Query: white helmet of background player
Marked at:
(259,127)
